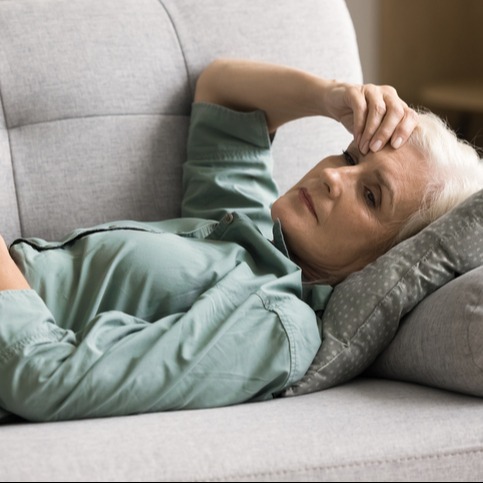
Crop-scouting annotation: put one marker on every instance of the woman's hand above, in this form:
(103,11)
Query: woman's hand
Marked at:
(11,278)
(375,115)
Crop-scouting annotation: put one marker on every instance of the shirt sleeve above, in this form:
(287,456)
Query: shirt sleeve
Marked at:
(229,166)
(119,364)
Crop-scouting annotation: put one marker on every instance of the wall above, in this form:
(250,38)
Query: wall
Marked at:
(366,18)
(412,44)
(426,41)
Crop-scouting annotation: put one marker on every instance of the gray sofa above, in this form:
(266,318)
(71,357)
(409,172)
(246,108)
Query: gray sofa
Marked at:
(95,98)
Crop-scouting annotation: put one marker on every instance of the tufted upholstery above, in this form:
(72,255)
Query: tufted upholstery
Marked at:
(96,99)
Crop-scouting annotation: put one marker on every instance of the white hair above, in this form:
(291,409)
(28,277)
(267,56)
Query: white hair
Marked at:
(456,172)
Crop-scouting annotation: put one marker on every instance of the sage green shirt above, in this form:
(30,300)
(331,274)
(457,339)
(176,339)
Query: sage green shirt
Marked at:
(206,310)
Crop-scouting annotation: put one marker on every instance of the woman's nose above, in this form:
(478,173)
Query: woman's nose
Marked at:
(334,180)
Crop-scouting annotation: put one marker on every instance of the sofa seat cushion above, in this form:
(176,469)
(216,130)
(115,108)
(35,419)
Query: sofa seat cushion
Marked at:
(369,429)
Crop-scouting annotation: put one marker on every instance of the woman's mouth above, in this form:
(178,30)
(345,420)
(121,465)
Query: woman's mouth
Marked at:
(307,200)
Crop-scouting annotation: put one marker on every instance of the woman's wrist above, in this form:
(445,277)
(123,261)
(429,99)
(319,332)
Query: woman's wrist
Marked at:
(321,96)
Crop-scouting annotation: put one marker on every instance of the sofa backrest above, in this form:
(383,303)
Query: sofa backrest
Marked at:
(95,99)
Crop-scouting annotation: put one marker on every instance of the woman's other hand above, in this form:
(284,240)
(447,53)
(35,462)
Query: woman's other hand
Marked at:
(375,115)
(11,278)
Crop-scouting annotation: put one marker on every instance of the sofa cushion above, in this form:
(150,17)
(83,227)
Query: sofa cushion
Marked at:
(369,430)
(440,342)
(363,314)
(95,104)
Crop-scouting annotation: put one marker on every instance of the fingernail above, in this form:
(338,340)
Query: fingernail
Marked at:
(397,143)
(376,145)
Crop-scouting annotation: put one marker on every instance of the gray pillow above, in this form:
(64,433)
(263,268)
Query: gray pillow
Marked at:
(363,313)
(440,343)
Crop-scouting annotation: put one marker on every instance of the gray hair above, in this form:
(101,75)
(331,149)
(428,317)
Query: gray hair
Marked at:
(456,172)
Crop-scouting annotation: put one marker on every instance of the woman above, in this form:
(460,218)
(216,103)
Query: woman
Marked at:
(211,309)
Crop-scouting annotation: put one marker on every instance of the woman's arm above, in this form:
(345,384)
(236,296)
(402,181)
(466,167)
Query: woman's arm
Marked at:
(375,115)
(11,278)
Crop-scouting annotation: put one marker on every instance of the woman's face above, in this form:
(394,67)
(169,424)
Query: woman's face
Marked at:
(344,213)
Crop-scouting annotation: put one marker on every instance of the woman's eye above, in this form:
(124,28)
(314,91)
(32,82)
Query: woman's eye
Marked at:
(348,158)
(368,194)
(370,198)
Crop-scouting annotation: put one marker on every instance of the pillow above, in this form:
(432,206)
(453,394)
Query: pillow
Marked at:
(440,343)
(363,313)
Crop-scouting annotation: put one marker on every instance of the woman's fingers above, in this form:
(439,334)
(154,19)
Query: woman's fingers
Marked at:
(388,119)
(375,115)
(405,128)
(358,105)
(376,110)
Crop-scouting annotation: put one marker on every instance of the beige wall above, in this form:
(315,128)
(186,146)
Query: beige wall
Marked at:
(412,44)
(427,41)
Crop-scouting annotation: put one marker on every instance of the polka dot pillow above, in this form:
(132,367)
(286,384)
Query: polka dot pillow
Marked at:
(363,313)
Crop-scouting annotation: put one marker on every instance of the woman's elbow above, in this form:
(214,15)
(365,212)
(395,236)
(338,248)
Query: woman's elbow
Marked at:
(208,83)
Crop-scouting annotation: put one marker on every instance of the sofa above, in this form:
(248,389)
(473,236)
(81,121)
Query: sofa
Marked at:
(95,103)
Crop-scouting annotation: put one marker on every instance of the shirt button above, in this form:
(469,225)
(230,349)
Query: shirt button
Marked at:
(228,218)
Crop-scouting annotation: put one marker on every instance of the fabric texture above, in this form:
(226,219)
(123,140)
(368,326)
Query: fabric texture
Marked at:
(440,342)
(115,160)
(8,202)
(363,314)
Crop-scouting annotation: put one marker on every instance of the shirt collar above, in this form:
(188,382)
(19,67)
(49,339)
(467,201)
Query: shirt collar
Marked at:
(316,295)
(278,239)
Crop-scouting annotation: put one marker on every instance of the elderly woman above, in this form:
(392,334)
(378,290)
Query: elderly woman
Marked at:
(218,307)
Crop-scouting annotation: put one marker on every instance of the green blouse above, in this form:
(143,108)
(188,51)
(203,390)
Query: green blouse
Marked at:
(202,311)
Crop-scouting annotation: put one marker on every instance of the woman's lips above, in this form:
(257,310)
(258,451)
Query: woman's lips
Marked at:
(307,200)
